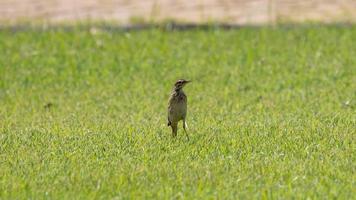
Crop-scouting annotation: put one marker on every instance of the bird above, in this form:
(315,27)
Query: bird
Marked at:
(177,107)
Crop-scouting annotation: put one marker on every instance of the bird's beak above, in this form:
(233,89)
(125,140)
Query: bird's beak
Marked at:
(188,81)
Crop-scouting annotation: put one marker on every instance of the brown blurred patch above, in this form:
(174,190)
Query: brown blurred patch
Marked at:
(138,11)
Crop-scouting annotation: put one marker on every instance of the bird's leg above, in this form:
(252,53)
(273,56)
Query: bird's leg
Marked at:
(174,129)
(184,127)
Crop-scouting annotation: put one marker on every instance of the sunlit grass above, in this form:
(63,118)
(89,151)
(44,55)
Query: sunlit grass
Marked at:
(271,114)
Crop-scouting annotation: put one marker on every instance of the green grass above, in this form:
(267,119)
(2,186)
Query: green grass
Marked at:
(271,114)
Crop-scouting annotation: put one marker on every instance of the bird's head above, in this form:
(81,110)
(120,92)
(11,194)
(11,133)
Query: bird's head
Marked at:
(180,84)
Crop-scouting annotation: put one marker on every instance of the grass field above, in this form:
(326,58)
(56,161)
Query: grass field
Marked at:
(271,114)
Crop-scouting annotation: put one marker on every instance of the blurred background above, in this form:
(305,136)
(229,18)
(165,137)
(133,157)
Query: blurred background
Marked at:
(127,12)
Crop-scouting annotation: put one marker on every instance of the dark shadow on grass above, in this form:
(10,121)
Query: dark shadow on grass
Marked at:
(171,26)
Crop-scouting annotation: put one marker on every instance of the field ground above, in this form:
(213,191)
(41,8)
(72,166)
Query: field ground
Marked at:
(138,11)
(271,114)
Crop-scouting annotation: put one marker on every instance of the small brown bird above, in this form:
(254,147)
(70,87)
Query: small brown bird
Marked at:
(177,107)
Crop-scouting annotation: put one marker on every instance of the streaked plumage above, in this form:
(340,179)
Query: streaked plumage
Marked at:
(177,107)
